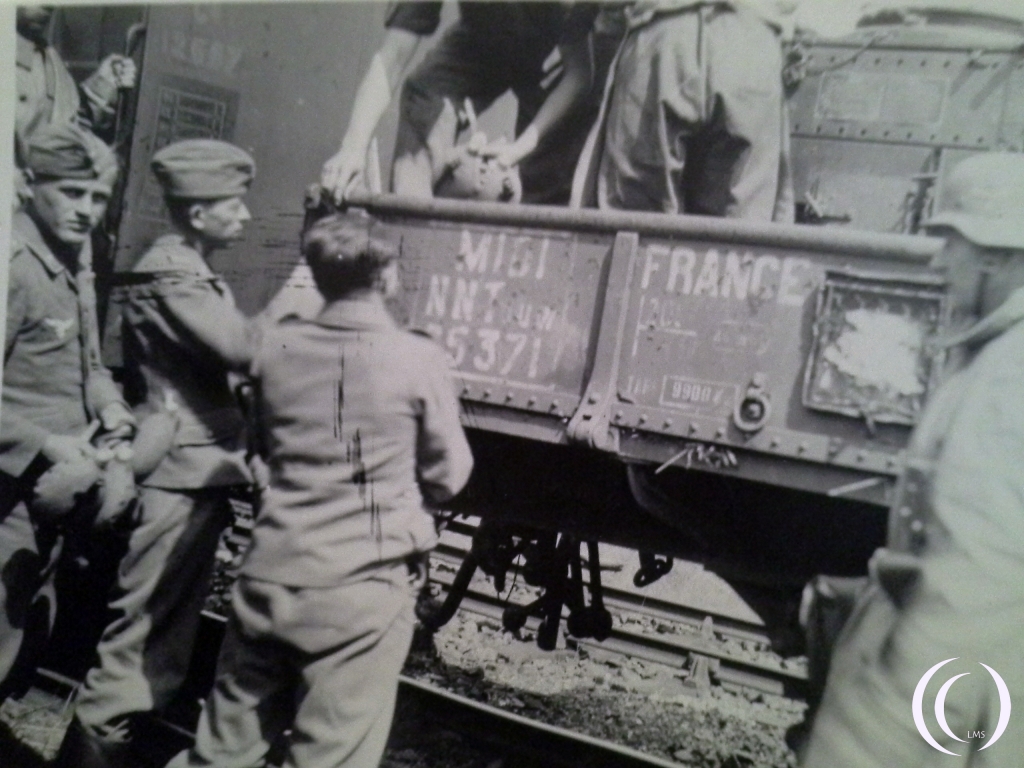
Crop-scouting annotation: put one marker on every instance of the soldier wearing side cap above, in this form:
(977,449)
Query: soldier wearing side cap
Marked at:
(182,336)
(949,585)
(54,384)
(361,427)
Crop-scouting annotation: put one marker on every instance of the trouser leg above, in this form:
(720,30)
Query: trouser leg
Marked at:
(657,102)
(330,656)
(163,580)
(28,554)
(691,127)
(249,705)
(345,716)
(738,172)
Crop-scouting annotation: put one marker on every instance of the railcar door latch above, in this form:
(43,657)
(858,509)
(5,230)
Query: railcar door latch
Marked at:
(755,408)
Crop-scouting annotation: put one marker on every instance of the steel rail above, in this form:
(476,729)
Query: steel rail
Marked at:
(548,744)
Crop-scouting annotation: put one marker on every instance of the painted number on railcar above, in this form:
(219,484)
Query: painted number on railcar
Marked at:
(697,396)
(501,310)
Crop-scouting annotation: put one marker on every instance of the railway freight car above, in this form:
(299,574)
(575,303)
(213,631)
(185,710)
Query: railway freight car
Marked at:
(729,392)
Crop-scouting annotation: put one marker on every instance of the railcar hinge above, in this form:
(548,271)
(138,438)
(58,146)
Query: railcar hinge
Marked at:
(590,423)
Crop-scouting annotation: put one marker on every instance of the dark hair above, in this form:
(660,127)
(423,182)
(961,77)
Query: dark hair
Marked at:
(342,256)
(178,211)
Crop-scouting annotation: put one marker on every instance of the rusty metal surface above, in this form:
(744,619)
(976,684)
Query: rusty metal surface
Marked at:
(864,243)
(672,342)
(516,309)
(882,115)
(713,331)
(669,340)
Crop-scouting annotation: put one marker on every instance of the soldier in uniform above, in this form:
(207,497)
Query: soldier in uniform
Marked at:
(46,91)
(361,427)
(689,125)
(53,384)
(950,582)
(182,335)
(492,48)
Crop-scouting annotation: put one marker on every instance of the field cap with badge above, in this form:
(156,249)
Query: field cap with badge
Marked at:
(67,151)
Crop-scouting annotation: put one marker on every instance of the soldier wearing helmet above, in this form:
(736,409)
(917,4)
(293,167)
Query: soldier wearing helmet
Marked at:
(53,384)
(182,336)
(949,585)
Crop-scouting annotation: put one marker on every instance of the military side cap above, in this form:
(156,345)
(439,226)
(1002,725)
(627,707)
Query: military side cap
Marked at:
(67,151)
(983,199)
(203,169)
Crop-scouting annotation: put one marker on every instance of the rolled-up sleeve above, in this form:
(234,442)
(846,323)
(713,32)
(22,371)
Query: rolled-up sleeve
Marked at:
(443,457)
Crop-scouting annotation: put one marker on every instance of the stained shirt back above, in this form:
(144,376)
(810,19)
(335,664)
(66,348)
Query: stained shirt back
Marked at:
(360,420)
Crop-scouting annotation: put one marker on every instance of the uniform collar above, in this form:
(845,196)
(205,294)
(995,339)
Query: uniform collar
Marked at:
(182,255)
(1009,313)
(28,234)
(355,314)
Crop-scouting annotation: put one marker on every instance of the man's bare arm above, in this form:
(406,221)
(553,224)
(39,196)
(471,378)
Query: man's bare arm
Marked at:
(379,84)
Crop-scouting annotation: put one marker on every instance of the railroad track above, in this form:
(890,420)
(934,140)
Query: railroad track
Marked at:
(503,733)
(506,734)
(702,646)
(511,734)
(705,643)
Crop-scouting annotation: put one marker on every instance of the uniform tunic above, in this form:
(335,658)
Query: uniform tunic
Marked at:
(47,93)
(493,48)
(360,422)
(182,334)
(957,535)
(687,124)
(44,393)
